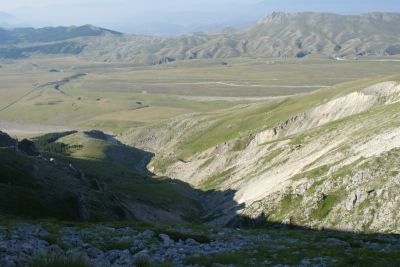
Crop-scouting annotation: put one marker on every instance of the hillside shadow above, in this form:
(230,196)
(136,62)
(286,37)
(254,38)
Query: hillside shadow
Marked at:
(213,207)
(117,187)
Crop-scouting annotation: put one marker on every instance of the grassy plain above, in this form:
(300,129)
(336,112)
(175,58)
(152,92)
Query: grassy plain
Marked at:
(115,97)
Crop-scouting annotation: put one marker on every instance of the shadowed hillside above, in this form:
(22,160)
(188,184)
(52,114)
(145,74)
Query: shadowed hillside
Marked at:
(88,177)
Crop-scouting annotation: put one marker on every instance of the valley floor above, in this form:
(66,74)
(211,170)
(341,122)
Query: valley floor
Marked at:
(76,93)
(120,245)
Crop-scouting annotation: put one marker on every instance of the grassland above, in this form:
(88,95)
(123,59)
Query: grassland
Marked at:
(115,97)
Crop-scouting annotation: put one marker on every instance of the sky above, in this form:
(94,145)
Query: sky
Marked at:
(173,16)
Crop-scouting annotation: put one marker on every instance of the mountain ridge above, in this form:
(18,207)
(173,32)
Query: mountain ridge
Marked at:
(277,35)
(53,34)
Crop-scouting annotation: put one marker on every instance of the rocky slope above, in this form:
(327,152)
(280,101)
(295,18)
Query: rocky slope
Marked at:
(49,244)
(327,159)
(277,35)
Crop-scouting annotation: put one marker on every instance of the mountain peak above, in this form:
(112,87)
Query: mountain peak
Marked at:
(274,17)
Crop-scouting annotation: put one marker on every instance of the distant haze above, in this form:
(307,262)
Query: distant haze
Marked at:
(169,17)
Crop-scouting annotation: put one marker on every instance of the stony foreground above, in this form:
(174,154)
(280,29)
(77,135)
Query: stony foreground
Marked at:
(100,245)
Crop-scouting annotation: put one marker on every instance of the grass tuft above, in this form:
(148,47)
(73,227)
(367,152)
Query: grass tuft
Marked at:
(142,262)
(222,258)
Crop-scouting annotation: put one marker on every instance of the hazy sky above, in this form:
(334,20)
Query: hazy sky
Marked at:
(155,16)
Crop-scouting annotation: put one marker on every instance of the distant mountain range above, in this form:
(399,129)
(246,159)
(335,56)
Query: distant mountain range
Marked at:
(276,35)
(23,42)
(51,34)
(157,17)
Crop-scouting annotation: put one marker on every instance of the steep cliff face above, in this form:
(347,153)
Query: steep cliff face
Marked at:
(326,159)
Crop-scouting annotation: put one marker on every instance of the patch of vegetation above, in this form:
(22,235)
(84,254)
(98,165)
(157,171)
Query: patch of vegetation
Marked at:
(242,142)
(221,258)
(385,163)
(317,173)
(347,170)
(214,181)
(326,205)
(312,174)
(271,155)
(145,262)
(142,262)
(48,143)
(51,137)
(162,163)
(226,126)
(206,163)
(289,203)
